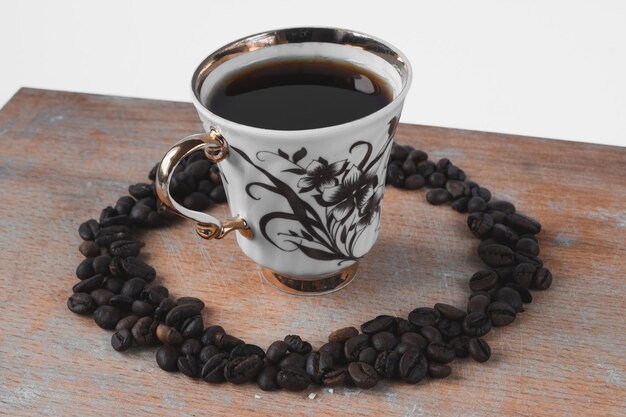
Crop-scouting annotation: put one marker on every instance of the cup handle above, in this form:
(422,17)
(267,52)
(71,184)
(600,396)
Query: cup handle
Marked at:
(215,149)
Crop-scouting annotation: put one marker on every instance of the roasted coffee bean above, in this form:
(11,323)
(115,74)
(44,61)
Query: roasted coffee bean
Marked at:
(383,341)
(412,367)
(478,304)
(293,379)
(247,350)
(180,313)
(141,190)
(394,176)
(214,175)
(101,264)
(398,152)
(335,349)
(84,269)
(142,308)
(483,193)
(496,255)
(442,164)
(135,267)
(437,180)
(124,204)
(205,187)
(127,322)
(149,202)
(81,303)
(115,268)
(456,188)
(317,364)
(476,204)
(402,326)
(439,370)
(505,274)
(88,229)
(354,346)
(403,347)
(119,220)
(425,168)
(408,167)
(504,234)
(106,213)
(460,204)
(480,224)
(107,317)
(386,364)
(524,293)
(213,369)
(121,340)
(455,173)
(343,334)
(144,331)
(198,169)
(167,358)
(523,224)
(181,185)
(523,274)
(267,378)
(89,284)
(188,365)
(292,360)
(414,182)
(107,236)
(450,312)
(449,328)
(335,378)
(479,350)
(440,352)
(378,324)
(164,307)
(501,313)
(191,347)
(197,201)
(243,369)
(125,248)
(521,257)
(154,294)
(296,344)
(276,351)
(153,172)
(368,355)
(542,279)
(476,324)
(525,245)
(363,375)
(139,214)
(133,287)
(218,194)
(417,155)
(499,217)
(101,296)
(226,342)
(168,335)
(122,302)
(208,352)
(89,249)
(431,334)
(459,344)
(424,316)
(511,297)
(191,300)
(414,339)
(437,196)
(483,281)
(192,327)
(501,205)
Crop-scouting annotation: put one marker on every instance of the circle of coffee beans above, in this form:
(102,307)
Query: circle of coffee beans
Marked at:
(117,288)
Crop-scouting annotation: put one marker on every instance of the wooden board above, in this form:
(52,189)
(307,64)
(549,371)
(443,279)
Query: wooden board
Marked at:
(64,156)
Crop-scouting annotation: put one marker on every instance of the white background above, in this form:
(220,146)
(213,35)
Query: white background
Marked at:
(554,69)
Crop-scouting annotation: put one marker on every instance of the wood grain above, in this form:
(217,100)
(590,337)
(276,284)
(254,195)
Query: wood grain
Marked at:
(64,156)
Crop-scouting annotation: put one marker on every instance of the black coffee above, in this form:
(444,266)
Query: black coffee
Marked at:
(297,95)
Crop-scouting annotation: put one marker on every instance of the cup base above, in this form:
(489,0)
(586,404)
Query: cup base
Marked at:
(318,285)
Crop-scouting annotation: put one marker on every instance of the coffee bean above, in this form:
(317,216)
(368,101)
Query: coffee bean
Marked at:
(501,205)
(521,257)
(460,346)
(122,302)
(417,155)
(335,349)
(267,378)
(121,340)
(317,364)
(106,213)
(378,324)
(153,172)
(476,324)
(363,375)
(127,322)
(408,167)
(523,224)
(455,173)
(524,293)
(142,308)
(437,196)
(167,358)
(511,297)
(89,284)
(293,379)
(89,249)
(394,176)
(296,344)
(483,193)
(525,245)
(144,331)
(383,341)
(414,182)
(207,352)
(343,334)
(499,217)
(139,214)
(214,175)
(402,347)
(413,339)
(101,296)
(213,369)
(480,224)
(191,347)
(402,326)
(479,350)
(168,335)
(192,327)
(205,187)
(247,350)
(226,342)
(438,370)
(424,316)
(88,229)
(108,235)
(542,279)
(101,264)
(197,201)
(483,281)
(449,328)
(124,204)
(335,378)
(368,355)
(456,188)
(133,287)
(180,313)
(84,269)
(431,334)
(81,303)
(425,168)
(292,360)
(191,300)
(412,367)
(450,312)
(125,248)
(495,254)
(119,220)
(165,306)
(386,364)
(276,351)
(154,294)
(523,274)
(188,365)
(218,194)
(354,346)
(140,190)
(437,180)
(135,267)
(476,204)
(398,152)
(504,234)
(107,317)
(460,204)
(440,352)
(198,169)
(501,313)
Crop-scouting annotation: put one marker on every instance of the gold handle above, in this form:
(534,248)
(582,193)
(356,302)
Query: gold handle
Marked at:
(216,150)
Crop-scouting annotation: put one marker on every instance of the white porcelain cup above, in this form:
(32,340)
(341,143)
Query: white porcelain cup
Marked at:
(306,203)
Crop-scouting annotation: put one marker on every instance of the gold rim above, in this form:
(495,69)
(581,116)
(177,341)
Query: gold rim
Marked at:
(310,286)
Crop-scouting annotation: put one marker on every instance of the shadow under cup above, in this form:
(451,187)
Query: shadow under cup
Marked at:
(311,198)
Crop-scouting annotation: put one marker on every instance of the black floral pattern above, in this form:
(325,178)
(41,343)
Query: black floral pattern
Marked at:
(350,193)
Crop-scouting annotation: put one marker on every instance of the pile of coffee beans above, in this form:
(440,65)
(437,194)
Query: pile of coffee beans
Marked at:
(118,288)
